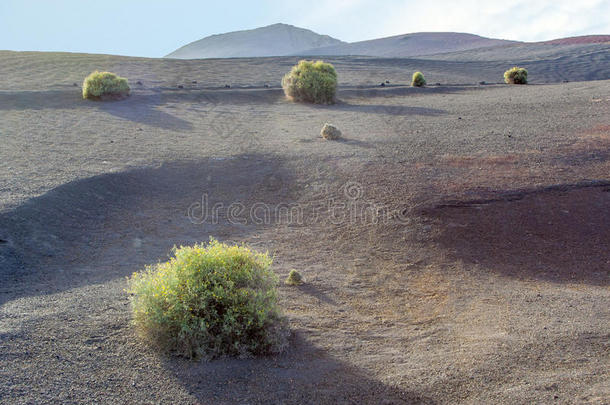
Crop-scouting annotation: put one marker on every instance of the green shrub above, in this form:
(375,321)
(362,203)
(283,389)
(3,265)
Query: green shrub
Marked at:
(294,278)
(209,300)
(105,85)
(515,75)
(418,79)
(313,82)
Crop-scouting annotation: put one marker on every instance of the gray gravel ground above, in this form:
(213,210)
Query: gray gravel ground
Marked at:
(484,280)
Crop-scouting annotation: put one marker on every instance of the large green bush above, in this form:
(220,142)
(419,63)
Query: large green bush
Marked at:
(105,85)
(418,79)
(210,300)
(515,75)
(313,82)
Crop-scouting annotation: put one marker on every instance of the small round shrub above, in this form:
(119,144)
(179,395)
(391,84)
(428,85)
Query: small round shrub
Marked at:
(312,82)
(515,75)
(105,85)
(418,79)
(208,301)
(294,278)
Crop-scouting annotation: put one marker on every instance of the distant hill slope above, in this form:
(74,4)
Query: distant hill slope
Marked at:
(273,40)
(531,51)
(409,45)
(585,39)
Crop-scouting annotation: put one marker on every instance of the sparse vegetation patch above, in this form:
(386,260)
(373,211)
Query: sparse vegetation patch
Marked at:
(418,80)
(312,82)
(208,301)
(294,278)
(105,85)
(515,75)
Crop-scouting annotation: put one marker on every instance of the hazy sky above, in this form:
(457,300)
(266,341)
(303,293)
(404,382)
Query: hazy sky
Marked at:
(155,28)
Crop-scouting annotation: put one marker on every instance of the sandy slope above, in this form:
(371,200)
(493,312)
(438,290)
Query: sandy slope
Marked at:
(482,278)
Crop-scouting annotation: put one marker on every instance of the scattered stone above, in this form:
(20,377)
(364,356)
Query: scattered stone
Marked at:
(227,86)
(566,81)
(330,132)
(139,83)
(180,86)
(438,84)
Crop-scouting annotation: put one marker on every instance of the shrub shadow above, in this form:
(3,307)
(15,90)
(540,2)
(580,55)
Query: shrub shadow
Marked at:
(140,108)
(558,234)
(303,375)
(40,100)
(391,90)
(97,229)
(387,109)
(143,109)
(316,292)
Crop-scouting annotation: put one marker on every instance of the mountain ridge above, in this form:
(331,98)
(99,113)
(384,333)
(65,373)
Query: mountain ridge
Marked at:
(272,40)
(413,44)
(287,40)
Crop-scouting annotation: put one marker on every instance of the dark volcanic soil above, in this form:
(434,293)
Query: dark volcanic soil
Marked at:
(454,243)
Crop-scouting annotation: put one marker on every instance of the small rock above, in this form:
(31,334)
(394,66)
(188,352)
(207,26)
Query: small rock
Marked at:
(387,82)
(180,86)
(137,243)
(139,83)
(194,82)
(482,83)
(74,84)
(459,118)
(140,129)
(438,84)
(227,86)
(382,84)
(266,86)
(330,132)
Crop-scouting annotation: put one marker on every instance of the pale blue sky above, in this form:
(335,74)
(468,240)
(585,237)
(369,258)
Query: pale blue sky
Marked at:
(155,28)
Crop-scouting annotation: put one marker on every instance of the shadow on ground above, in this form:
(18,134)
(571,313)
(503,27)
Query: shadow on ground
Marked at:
(97,229)
(390,90)
(304,375)
(387,109)
(137,108)
(557,234)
